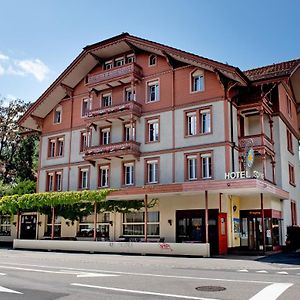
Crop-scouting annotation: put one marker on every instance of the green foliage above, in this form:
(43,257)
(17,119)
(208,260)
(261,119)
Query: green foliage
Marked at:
(70,205)
(23,187)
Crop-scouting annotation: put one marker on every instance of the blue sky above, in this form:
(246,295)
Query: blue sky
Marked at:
(38,39)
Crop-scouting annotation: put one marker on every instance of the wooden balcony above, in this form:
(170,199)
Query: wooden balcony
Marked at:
(115,76)
(118,150)
(121,112)
(256,141)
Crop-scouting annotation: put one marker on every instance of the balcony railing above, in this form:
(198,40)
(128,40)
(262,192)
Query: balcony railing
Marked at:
(258,140)
(131,69)
(112,150)
(116,111)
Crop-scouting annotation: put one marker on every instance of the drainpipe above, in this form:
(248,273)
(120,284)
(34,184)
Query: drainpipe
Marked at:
(231,137)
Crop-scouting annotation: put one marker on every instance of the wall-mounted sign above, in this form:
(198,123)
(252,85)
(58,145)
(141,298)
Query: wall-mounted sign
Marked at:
(244,175)
(249,158)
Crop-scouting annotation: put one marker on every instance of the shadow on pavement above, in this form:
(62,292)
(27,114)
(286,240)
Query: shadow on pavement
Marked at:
(291,258)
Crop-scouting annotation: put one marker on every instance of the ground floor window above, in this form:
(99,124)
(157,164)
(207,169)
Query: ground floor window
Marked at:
(134,224)
(57,226)
(86,226)
(5,226)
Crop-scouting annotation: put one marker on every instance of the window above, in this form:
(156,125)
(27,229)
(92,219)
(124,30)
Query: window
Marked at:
(52,147)
(85,140)
(289,141)
(289,105)
(129,173)
(293,212)
(108,65)
(152,168)
(57,115)
(60,146)
(103,180)
(153,91)
(105,136)
(134,224)
(152,126)
(130,58)
(86,226)
(292,175)
(198,121)
(197,81)
(119,62)
(83,178)
(205,120)
(129,96)
(57,226)
(152,60)
(56,147)
(5,226)
(129,132)
(106,100)
(192,123)
(206,168)
(86,107)
(54,181)
(192,167)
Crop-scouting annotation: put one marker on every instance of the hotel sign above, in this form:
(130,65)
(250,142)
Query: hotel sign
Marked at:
(248,173)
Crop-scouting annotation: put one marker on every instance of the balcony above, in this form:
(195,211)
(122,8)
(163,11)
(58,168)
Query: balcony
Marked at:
(256,141)
(115,76)
(119,150)
(121,111)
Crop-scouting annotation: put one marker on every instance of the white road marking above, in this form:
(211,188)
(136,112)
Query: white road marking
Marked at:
(5,290)
(2,274)
(148,274)
(67,272)
(141,292)
(282,273)
(271,292)
(243,271)
(262,271)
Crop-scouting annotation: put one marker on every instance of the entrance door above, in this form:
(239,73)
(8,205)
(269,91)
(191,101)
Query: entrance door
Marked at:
(222,224)
(28,227)
(255,234)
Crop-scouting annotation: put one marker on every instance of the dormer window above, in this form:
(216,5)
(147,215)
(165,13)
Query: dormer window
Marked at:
(152,60)
(108,65)
(197,81)
(57,115)
(119,62)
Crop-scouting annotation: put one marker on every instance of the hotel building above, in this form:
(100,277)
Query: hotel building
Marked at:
(214,146)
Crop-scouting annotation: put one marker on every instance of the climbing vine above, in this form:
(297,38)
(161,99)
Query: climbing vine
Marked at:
(70,205)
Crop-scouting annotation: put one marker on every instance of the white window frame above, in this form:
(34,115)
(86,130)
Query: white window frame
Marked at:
(150,62)
(84,184)
(155,92)
(191,123)
(120,61)
(58,110)
(205,127)
(50,181)
(104,170)
(60,146)
(192,175)
(58,183)
(129,132)
(105,136)
(152,172)
(197,75)
(106,98)
(130,58)
(131,174)
(207,166)
(108,65)
(88,107)
(153,134)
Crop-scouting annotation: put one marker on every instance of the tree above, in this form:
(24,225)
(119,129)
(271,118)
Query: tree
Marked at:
(16,149)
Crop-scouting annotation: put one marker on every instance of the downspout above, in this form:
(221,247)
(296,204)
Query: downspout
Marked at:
(70,142)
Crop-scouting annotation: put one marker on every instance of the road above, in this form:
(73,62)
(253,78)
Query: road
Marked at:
(33,275)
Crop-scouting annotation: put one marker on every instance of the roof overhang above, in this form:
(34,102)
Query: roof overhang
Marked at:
(93,54)
(295,83)
(238,187)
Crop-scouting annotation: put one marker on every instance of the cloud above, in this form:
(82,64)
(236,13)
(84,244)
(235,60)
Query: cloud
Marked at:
(3,57)
(35,67)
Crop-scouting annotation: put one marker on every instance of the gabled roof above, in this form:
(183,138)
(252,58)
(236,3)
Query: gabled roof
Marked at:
(77,70)
(282,69)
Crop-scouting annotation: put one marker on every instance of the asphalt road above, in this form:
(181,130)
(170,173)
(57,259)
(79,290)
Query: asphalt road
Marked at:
(50,275)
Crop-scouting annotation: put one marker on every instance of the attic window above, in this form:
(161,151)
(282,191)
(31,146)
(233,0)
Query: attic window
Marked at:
(57,115)
(152,60)
(197,81)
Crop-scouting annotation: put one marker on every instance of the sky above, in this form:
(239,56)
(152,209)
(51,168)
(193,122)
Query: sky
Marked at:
(39,39)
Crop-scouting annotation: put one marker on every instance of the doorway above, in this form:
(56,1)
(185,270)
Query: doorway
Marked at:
(28,227)
(190,227)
